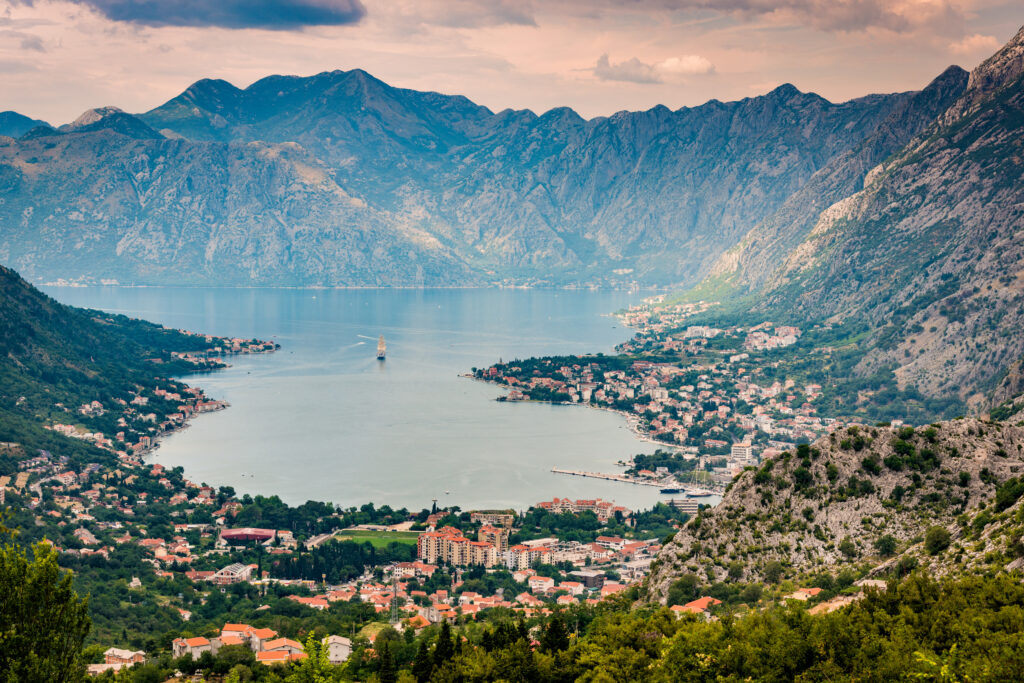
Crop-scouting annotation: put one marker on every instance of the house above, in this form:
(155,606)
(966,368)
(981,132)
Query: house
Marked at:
(116,655)
(233,573)
(316,602)
(611,588)
(236,630)
(283,645)
(803,594)
(338,648)
(528,600)
(700,606)
(418,623)
(540,584)
(610,542)
(191,646)
(259,636)
(272,657)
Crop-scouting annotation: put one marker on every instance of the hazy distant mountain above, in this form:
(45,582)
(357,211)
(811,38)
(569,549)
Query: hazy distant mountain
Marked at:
(927,255)
(13,124)
(340,179)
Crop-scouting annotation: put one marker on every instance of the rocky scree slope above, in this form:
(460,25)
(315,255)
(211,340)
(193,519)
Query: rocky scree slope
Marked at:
(830,505)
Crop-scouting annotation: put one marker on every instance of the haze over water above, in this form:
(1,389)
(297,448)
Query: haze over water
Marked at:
(322,419)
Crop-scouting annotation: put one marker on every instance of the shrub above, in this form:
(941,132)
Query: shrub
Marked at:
(1008,493)
(871,465)
(936,539)
(886,545)
(802,477)
(773,571)
(893,462)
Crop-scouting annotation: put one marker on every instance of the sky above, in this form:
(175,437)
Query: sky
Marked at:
(59,58)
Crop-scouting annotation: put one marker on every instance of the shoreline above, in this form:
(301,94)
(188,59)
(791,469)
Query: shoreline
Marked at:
(158,439)
(632,421)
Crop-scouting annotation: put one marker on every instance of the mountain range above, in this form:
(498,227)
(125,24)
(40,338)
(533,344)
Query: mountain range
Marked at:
(342,180)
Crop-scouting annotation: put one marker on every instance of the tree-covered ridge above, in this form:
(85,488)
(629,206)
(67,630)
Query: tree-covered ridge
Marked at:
(919,628)
(55,359)
(875,500)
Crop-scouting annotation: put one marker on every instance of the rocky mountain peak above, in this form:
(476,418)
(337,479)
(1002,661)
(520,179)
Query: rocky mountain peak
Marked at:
(998,71)
(91,116)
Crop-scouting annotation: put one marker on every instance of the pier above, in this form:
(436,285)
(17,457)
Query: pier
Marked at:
(608,477)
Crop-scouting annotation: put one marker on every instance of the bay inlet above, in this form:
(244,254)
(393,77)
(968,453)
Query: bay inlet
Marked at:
(323,419)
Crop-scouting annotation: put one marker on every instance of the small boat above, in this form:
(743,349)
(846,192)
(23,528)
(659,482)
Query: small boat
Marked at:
(672,489)
(381,348)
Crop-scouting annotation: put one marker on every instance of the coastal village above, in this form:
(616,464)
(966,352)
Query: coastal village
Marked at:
(700,391)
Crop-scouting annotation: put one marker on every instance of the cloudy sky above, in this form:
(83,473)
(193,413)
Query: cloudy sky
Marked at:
(58,58)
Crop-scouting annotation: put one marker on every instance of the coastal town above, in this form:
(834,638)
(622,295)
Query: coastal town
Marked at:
(721,397)
(194,547)
(184,545)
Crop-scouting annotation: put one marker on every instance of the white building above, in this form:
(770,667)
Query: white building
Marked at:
(338,648)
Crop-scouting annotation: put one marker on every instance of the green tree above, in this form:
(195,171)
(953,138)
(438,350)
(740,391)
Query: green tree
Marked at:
(886,545)
(936,539)
(388,672)
(316,667)
(848,548)
(444,650)
(43,622)
(773,571)
(422,667)
(683,589)
(556,636)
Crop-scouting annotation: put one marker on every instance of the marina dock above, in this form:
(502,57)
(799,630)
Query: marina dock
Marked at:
(609,477)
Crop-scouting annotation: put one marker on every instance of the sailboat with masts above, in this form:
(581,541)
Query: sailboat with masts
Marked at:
(693,488)
(381,348)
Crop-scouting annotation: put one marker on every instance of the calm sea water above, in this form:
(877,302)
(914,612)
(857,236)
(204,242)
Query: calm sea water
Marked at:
(322,419)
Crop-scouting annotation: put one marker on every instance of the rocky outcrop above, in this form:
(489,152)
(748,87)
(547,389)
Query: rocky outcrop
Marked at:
(826,507)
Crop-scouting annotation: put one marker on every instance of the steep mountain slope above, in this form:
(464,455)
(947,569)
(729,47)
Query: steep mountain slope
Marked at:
(751,262)
(922,261)
(54,358)
(115,199)
(830,506)
(928,253)
(340,179)
(14,125)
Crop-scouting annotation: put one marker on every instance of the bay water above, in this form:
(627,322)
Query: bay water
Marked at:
(323,419)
